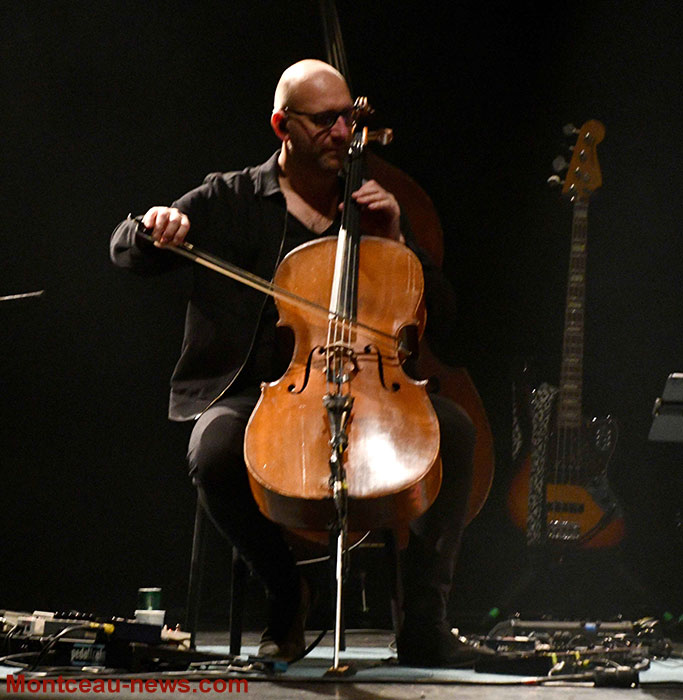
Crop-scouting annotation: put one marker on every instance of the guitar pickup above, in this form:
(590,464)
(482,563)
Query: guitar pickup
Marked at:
(563,530)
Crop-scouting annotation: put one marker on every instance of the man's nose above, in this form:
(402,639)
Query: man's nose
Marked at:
(340,128)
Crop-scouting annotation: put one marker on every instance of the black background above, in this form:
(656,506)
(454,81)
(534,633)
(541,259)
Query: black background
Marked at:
(112,107)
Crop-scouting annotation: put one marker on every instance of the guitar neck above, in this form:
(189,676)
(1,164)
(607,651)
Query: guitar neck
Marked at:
(571,374)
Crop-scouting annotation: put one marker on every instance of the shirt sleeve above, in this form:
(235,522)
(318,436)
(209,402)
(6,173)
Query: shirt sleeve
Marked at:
(129,250)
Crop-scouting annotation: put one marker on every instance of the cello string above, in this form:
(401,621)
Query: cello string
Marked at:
(348,270)
(335,332)
(350,253)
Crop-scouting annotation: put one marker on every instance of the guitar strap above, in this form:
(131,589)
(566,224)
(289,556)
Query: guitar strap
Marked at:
(542,401)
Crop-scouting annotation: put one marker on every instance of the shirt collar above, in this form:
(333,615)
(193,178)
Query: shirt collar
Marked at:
(266,182)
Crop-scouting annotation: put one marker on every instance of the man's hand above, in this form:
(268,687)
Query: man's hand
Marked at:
(168,226)
(380,211)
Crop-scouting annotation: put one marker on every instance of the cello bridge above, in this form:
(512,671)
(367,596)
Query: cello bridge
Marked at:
(341,364)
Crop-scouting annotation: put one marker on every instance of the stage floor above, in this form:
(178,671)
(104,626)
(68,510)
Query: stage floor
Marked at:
(376,675)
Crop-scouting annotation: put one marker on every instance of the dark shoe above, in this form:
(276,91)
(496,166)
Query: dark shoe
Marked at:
(287,642)
(437,647)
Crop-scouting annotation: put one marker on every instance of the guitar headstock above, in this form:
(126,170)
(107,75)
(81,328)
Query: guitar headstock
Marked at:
(583,174)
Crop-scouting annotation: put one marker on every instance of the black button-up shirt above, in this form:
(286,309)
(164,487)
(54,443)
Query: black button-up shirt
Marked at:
(230,327)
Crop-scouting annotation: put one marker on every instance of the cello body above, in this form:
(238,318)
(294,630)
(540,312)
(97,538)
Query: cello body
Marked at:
(392,462)
(454,383)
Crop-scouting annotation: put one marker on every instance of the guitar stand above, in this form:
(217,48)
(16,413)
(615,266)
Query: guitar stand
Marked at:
(338,408)
(543,568)
(667,413)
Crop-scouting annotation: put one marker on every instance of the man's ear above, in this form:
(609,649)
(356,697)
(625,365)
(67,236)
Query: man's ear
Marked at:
(278,121)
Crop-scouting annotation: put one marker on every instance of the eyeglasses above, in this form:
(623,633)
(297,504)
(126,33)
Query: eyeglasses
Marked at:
(326,119)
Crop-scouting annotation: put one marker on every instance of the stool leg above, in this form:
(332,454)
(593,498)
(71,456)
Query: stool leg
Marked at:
(238,582)
(195,583)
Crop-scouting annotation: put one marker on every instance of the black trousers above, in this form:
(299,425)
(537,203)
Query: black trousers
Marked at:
(215,456)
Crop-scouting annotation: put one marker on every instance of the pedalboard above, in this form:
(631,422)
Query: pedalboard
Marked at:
(540,647)
(77,639)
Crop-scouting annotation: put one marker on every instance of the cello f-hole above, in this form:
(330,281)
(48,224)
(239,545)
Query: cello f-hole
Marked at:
(291,388)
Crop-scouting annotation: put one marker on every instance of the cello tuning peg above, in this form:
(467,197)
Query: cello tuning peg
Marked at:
(381,136)
(555,181)
(569,130)
(560,164)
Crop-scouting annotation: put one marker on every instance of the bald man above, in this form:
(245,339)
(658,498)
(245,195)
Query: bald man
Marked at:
(253,218)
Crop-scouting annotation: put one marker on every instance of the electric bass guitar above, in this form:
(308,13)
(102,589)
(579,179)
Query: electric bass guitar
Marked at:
(560,494)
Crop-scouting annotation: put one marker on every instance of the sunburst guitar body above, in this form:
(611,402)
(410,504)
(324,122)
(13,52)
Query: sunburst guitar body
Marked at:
(560,495)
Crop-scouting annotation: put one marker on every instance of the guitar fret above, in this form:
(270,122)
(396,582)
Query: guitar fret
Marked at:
(569,406)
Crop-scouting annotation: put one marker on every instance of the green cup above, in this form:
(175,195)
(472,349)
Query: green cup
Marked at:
(149,598)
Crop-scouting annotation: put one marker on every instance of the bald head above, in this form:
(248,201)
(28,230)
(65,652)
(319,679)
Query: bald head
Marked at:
(306,79)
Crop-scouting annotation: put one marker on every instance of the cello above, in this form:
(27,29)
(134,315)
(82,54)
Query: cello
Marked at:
(345,439)
(454,383)
(345,386)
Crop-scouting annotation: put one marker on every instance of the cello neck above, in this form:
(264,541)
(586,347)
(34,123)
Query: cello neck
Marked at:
(344,296)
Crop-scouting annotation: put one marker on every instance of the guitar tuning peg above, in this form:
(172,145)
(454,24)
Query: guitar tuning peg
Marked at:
(560,164)
(569,130)
(555,181)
